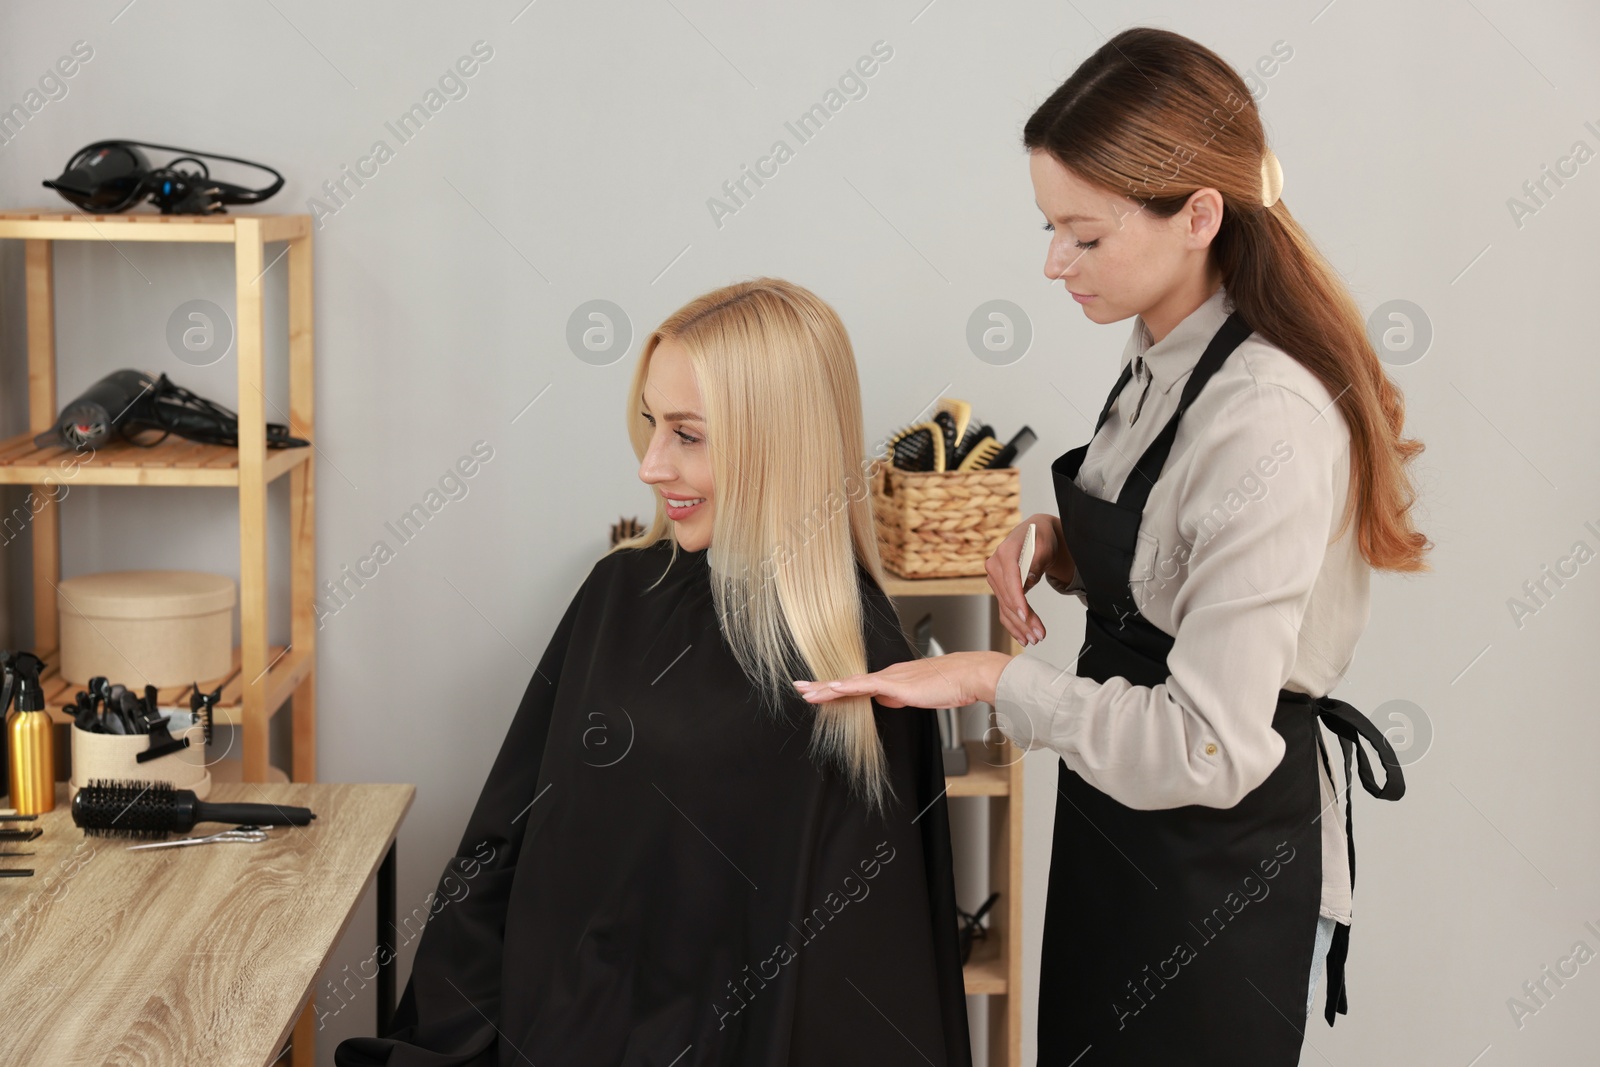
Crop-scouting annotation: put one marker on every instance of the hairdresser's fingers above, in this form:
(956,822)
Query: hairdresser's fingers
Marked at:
(886,692)
(1005,579)
(1002,572)
(1016,589)
(829,690)
(1021,632)
(934,682)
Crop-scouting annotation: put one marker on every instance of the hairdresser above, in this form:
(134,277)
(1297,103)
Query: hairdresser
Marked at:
(1245,476)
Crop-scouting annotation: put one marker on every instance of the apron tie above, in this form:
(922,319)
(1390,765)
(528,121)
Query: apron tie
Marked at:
(1351,726)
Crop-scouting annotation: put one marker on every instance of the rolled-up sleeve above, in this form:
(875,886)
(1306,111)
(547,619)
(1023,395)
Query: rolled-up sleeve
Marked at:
(1072,588)
(1204,736)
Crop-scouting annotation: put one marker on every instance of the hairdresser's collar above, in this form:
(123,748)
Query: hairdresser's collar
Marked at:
(1170,361)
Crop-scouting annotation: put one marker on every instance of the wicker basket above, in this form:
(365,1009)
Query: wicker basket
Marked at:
(943,524)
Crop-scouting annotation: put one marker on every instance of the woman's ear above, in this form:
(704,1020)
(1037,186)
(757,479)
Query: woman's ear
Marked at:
(1201,217)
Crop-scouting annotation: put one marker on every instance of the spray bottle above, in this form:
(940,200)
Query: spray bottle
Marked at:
(30,735)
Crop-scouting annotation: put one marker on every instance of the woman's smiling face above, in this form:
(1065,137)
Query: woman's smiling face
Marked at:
(678,460)
(1114,257)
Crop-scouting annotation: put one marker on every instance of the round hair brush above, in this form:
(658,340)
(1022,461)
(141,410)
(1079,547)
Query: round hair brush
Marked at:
(153,809)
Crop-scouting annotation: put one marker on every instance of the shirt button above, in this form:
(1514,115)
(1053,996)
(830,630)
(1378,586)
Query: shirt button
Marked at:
(1211,750)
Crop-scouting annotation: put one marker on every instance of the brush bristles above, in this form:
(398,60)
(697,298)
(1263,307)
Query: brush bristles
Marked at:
(110,808)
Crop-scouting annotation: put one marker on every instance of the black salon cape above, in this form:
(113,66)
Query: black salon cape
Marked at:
(671,880)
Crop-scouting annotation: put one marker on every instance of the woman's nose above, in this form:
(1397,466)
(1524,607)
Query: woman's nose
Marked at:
(1057,261)
(651,468)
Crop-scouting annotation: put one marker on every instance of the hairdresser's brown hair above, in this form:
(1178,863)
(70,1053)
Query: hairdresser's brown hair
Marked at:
(1154,116)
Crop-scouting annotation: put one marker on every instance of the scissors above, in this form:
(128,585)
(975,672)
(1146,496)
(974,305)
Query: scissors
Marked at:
(238,833)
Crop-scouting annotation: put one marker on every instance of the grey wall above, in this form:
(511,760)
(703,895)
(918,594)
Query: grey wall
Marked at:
(577,167)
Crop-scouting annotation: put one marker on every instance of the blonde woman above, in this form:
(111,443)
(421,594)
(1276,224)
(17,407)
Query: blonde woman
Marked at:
(676,859)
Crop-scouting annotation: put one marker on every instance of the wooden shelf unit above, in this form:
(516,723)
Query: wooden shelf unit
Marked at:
(264,678)
(994,772)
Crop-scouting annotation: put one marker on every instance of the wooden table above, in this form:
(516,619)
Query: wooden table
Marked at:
(203,954)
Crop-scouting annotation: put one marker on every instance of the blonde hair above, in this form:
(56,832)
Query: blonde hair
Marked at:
(793,515)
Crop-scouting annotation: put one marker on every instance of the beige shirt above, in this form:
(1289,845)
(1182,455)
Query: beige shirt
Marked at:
(1237,561)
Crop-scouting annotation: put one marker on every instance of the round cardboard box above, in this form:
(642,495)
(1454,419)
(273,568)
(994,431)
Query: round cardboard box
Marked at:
(150,627)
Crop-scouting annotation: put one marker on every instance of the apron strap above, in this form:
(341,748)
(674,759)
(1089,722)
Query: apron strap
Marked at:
(1136,488)
(1351,726)
(1122,380)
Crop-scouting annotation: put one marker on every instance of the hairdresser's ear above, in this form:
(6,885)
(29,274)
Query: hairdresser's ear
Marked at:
(1202,217)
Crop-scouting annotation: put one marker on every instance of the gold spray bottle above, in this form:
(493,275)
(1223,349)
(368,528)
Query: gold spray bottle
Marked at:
(30,736)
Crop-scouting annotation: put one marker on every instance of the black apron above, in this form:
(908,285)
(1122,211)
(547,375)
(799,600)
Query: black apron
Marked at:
(1183,935)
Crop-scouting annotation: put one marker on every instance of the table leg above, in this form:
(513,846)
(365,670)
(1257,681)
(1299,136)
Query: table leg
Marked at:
(386,930)
(302,1047)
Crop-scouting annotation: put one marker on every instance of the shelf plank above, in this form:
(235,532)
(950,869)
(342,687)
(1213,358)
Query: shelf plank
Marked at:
(16,446)
(176,461)
(157,451)
(51,224)
(988,773)
(286,671)
(985,970)
(194,456)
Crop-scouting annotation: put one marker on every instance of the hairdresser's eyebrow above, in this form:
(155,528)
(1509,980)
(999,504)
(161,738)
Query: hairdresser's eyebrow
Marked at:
(1068,219)
(675,416)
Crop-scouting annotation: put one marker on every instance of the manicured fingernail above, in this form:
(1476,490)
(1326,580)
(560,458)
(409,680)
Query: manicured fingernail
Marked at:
(801,685)
(1038,634)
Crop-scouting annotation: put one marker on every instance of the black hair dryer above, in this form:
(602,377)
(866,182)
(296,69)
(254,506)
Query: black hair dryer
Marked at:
(111,176)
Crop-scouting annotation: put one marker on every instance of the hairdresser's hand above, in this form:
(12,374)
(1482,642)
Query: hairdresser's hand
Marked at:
(950,681)
(1050,553)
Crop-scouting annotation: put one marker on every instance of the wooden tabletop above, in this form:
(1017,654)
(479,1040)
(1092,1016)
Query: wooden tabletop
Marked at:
(202,954)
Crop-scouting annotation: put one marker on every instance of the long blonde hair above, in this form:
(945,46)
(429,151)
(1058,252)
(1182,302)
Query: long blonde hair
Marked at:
(793,515)
(1153,115)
